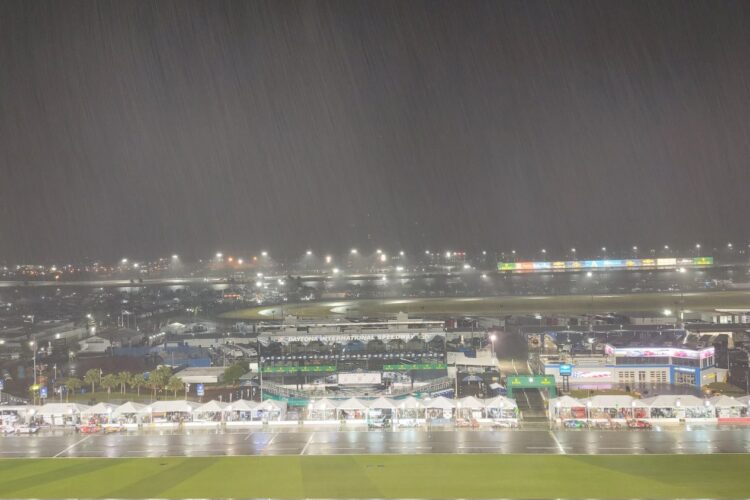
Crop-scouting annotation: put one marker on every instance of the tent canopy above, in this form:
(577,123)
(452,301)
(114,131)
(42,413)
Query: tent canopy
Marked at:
(409,403)
(565,402)
(128,408)
(171,407)
(61,409)
(501,402)
(324,404)
(609,401)
(242,405)
(272,405)
(439,403)
(382,404)
(352,404)
(471,403)
(99,409)
(212,406)
(726,402)
(674,401)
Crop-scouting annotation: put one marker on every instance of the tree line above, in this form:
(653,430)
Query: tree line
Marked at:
(158,380)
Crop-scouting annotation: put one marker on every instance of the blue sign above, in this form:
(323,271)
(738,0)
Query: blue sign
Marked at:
(2,384)
(199,390)
(566,370)
(43,392)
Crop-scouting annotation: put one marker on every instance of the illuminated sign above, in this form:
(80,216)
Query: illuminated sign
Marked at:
(592,374)
(566,370)
(659,352)
(415,366)
(296,369)
(572,265)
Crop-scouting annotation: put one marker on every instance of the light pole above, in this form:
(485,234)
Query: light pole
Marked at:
(32,344)
(493,337)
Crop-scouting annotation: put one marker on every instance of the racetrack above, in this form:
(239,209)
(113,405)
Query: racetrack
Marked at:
(194,443)
(504,305)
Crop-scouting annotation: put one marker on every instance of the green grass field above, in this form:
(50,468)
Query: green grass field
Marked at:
(374,476)
(494,306)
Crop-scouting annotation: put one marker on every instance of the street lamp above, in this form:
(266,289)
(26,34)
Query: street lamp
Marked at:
(32,344)
(328,259)
(264,254)
(353,251)
(175,257)
(308,253)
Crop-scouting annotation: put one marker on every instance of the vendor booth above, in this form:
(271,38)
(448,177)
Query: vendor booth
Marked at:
(352,410)
(128,413)
(60,414)
(501,408)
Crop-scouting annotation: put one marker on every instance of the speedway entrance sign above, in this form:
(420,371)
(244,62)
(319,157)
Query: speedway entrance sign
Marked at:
(515,382)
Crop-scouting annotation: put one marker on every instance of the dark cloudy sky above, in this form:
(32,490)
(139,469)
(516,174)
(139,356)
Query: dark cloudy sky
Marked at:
(145,128)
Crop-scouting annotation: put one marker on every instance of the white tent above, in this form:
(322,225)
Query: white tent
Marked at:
(212,406)
(565,402)
(609,401)
(674,401)
(726,402)
(271,405)
(242,405)
(382,404)
(99,409)
(324,404)
(61,409)
(744,399)
(439,403)
(501,402)
(352,404)
(471,403)
(408,403)
(171,407)
(128,408)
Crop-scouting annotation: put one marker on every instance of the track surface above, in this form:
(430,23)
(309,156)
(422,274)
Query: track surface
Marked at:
(331,442)
(494,306)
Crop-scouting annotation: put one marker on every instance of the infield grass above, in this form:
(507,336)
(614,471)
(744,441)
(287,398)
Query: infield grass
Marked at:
(378,476)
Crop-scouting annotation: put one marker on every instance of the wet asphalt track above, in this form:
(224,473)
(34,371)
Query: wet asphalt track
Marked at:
(409,441)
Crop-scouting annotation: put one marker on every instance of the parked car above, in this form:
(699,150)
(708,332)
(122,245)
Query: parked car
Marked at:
(639,424)
(504,424)
(575,424)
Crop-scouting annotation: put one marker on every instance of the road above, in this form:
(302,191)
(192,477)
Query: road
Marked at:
(409,441)
(503,305)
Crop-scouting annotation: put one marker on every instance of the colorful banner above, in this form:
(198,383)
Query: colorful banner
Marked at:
(573,265)
(415,366)
(295,369)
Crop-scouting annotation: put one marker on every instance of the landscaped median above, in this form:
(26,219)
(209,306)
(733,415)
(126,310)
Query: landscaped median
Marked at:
(381,476)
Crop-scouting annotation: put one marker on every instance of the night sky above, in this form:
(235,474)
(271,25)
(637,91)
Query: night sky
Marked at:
(146,128)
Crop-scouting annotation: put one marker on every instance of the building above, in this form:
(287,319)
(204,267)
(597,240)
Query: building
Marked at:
(644,365)
(389,357)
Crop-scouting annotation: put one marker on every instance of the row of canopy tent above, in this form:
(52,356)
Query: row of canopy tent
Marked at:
(243,410)
(662,406)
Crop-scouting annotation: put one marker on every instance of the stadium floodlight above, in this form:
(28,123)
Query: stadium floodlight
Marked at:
(544,250)
(383,257)
(264,254)
(219,255)
(240,261)
(484,276)
(124,261)
(175,256)
(698,246)
(308,253)
(667,312)
(378,251)
(573,250)
(401,253)
(604,249)
(328,259)
(335,270)
(729,245)
(353,251)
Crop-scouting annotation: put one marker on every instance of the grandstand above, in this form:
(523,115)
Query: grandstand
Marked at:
(399,357)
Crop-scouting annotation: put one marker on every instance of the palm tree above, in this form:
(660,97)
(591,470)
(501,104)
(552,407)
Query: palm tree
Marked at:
(138,381)
(124,379)
(175,384)
(73,384)
(108,382)
(92,376)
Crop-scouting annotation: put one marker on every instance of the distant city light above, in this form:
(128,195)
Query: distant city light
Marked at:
(308,253)
(264,254)
(353,251)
